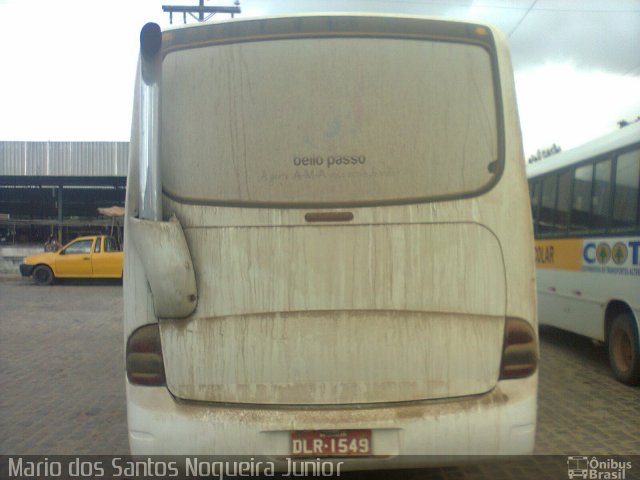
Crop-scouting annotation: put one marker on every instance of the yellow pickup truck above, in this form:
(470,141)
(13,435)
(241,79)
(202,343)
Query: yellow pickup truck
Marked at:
(84,257)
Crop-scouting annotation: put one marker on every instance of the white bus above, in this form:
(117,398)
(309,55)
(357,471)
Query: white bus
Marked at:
(587,226)
(329,247)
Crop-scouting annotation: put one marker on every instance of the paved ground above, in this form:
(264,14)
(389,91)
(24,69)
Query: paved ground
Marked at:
(582,409)
(61,369)
(62,384)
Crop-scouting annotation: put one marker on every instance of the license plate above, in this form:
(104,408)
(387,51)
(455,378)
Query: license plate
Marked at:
(338,443)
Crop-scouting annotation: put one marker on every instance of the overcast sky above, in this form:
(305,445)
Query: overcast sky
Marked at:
(68,65)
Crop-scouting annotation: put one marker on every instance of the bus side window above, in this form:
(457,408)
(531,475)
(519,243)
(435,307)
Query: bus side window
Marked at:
(548,204)
(625,202)
(534,190)
(601,195)
(564,201)
(581,201)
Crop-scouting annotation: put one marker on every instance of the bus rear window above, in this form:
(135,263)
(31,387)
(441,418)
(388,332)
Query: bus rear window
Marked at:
(328,122)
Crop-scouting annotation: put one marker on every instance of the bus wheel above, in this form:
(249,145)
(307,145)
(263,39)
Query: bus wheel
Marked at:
(43,275)
(624,356)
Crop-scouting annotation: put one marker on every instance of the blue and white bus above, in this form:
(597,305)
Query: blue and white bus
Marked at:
(587,225)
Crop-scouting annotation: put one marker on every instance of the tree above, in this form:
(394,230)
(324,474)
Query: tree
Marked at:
(544,153)
(624,123)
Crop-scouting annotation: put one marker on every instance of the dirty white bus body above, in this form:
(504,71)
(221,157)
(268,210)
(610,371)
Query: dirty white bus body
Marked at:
(329,245)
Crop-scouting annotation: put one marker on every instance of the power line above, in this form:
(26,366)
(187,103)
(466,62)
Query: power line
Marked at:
(203,13)
(522,18)
(446,3)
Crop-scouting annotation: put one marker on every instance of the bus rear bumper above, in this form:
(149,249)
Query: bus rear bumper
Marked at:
(501,422)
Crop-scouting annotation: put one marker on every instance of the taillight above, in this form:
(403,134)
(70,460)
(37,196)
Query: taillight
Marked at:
(519,351)
(144,357)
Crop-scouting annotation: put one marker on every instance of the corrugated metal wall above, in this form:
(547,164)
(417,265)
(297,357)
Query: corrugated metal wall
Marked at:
(68,159)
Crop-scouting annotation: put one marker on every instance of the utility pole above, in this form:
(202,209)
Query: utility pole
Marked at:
(203,13)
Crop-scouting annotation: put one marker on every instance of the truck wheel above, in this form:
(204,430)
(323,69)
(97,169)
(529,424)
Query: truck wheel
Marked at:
(624,356)
(43,275)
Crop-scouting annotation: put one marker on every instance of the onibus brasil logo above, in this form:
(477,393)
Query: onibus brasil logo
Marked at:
(597,468)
